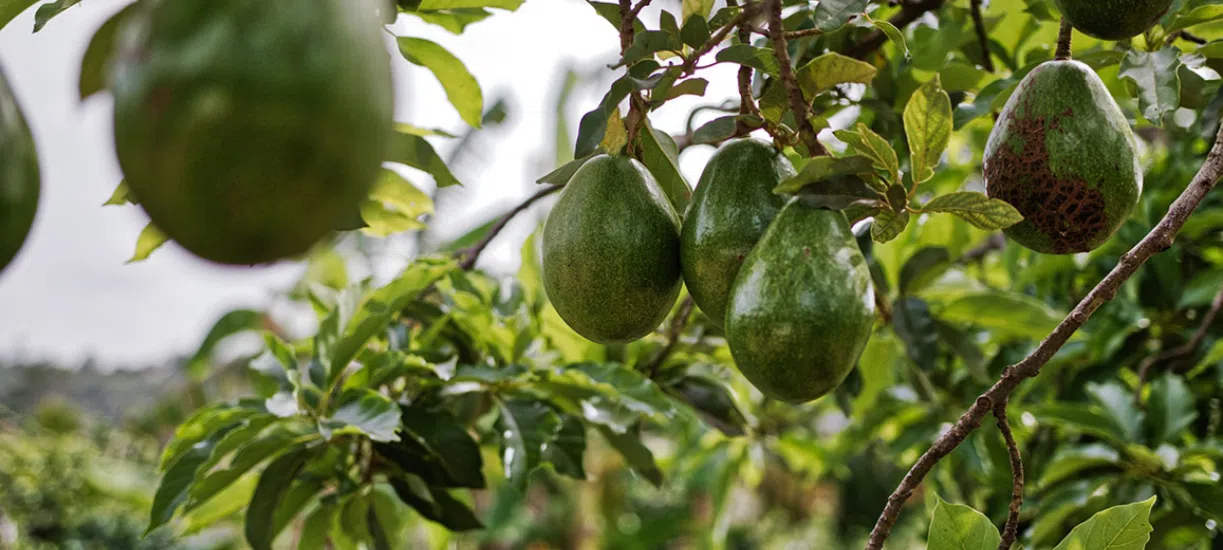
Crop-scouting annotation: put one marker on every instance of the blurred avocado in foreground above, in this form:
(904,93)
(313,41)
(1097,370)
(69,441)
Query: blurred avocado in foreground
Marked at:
(20,184)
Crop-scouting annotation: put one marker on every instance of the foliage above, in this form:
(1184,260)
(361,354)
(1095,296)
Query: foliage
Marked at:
(454,405)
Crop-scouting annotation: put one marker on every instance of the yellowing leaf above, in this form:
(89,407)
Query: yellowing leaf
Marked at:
(394,205)
(826,71)
(150,239)
(461,87)
(977,209)
(616,136)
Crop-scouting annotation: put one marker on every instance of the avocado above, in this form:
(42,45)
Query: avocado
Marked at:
(802,307)
(731,207)
(1113,19)
(19,176)
(1063,154)
(248,129)
(611,251)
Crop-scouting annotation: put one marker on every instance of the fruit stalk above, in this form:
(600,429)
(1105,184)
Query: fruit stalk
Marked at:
(798,104)
(1063,41)
(1158,240)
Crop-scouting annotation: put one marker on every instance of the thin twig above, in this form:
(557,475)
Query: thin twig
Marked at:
(1011,529)
(637,9)
(987,60)
(673,333)
(1064,34)
(470,255)
(636,110)
(909,12)
(1159,239)
(1187,37)
(798,104)
(1144,369)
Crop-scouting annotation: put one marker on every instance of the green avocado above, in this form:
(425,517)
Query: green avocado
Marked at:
(1063,154)
(802,308)
(611,251)
(19,178)
(732,206)
(249,129)
(1113,19)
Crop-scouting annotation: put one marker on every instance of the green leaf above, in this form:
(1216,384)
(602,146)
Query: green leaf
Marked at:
(394,205)
(567,451)
(231,323)
(638,456)
(959,527)
(1070,463)
(436,447)
(363,411)
(272,443)
(893,34)
(867,143)
(610,12)
(695,31)
(658,153)
(927,121)
(1170,410)
(562,175)
(716,131)
(593,125)
(527,428)
(412,150)
(273,488)
(831,69)
(150,239)
(10,9)
(646,44)
(49,10)
(1077,417)
(691,86)
(831,15)
(714,403)
(915,326)
(379,308)
(923,265)
(1008,313)
(977,209)
(1126,527)
(317,526)
(824,168)
(700,8)
(429,5)
(177,480)
(1208,499)
(984,102)
(1118,401)
(436,504)
(750,56)
(635,390)
(889,225)
(1196,16)
(97,55)
(1155,76)
(455,21)
(204,423)
(461,87)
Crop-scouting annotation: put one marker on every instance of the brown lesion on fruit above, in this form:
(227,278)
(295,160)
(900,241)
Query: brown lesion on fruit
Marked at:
(1069,211)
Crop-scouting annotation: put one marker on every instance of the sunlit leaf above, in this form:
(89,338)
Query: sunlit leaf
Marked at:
(461,87)
(927,119)
(1126,527)
(959,527)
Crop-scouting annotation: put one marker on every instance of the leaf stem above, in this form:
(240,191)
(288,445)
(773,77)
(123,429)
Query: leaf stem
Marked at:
(1011,529)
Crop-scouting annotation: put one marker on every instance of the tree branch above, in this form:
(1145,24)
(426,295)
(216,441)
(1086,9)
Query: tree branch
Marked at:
(797,103)
(1159,239)
(987,60)
(1064,34)
(470,255)
(636,111)
(1144,369)
(909,12)
(749,11)
(1011,529)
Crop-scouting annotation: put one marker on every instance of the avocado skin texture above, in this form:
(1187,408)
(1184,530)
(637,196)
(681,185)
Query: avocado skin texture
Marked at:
(611,252)
(802,307)
(731,208)
(20,183)
(1063,154)
(249,129)
(1113,19)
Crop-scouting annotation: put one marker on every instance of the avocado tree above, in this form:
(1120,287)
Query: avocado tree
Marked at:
(922,215)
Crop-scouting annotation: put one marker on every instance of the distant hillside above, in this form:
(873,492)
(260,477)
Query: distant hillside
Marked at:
(112,394)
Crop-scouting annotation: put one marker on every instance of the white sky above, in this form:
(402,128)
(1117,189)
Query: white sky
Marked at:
(69,296)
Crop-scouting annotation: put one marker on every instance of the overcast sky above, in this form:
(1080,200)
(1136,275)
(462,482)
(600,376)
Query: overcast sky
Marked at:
(70,296)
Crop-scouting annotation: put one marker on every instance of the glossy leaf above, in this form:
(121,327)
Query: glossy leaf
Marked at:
(658,153)
(637,455)
(713,401)
(273,488)
(831,15)
(527,428)
(831,69)
(1126,527)
(268,445)
(176,481)
(822,169)
(436,505)
(568,450)
(363,411)
(750,56)
(461,87)
(959,527)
